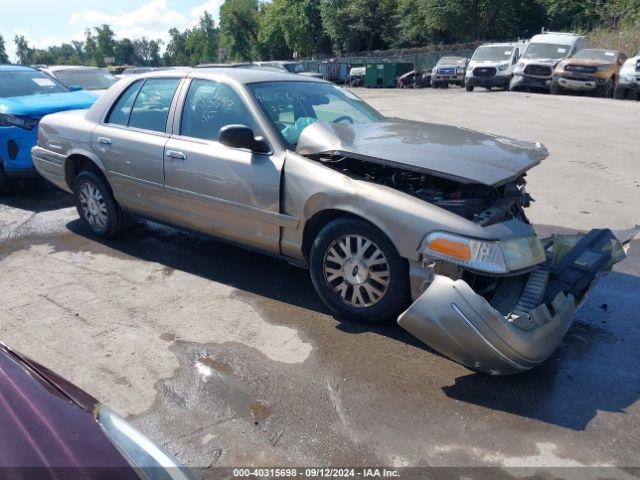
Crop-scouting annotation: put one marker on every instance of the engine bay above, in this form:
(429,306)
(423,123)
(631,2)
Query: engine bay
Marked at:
(480,203)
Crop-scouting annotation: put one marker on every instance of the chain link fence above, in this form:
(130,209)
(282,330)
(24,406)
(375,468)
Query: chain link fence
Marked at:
(421,58)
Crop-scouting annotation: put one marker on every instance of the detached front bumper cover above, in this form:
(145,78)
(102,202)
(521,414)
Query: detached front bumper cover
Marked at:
(462,325)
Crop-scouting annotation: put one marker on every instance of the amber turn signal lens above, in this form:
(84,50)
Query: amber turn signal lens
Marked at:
(451,248)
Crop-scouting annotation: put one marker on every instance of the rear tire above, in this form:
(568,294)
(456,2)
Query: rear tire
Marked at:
(99,212)
(358,272)
(469,88)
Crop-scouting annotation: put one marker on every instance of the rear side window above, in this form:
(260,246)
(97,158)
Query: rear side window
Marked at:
(151,108)
(122,109)
(145,104)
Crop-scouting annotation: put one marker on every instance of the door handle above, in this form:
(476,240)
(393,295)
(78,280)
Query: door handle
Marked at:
(104,140)
(173,155)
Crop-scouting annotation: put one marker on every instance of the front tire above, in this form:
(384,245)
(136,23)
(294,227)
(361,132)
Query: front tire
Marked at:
(99,212)
(6,183)
(556,89)
(469,88)
(358,272)
(606,90)
(621,93)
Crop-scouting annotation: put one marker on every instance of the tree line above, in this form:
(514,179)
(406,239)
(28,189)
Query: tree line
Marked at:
(283,29)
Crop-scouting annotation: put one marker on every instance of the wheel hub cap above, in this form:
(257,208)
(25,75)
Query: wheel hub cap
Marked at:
(355,271)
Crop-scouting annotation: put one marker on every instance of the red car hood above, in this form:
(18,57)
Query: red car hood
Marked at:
(49,423)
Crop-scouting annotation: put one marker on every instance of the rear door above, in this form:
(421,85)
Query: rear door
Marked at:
(131,141)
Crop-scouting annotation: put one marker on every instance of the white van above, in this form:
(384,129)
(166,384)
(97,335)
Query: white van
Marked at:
(541,56)
(492,65)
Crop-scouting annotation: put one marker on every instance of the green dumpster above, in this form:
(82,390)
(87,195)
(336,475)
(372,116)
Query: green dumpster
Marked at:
(383,75)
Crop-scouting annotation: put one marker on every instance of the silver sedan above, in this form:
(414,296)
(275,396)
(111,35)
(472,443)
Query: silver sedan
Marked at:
(412,221)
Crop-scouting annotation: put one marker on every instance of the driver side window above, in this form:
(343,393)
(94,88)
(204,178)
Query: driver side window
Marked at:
(209,106)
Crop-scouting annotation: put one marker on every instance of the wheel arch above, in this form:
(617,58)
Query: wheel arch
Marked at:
(77,162)
(322,218)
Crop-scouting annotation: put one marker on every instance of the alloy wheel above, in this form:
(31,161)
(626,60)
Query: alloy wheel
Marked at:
(94,207)
(357,270)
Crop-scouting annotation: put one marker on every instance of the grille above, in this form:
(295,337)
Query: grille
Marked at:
(538,70)
(484,71)
(580,68)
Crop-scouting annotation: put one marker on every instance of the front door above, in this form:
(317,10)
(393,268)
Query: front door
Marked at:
(131,141)
(228,192)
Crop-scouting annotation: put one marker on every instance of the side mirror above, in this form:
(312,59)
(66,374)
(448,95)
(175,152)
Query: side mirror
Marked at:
(241,136)
(75,88)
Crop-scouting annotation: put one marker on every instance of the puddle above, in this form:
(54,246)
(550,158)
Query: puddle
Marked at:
(231,389)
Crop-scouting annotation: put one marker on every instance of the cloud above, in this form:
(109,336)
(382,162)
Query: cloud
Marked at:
(211,6)
(152,19)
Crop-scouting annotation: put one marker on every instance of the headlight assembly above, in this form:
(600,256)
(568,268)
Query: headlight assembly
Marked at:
(482,255)
(629,78)
(141,452)
(604,68)
(26,123)
(503,67)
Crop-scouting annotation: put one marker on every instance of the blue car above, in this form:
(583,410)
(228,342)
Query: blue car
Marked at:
(27,95)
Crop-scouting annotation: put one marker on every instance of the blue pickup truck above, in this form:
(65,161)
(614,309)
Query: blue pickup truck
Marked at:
(27,95)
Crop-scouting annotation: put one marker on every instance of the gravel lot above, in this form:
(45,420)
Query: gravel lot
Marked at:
(228,358)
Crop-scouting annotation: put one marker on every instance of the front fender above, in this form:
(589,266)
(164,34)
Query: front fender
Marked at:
(311,187)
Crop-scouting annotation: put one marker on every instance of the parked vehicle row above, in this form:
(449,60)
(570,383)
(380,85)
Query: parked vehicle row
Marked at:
(557,63)
(422,223)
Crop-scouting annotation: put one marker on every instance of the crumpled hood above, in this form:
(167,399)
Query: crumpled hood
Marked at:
(444,151)
(37,106)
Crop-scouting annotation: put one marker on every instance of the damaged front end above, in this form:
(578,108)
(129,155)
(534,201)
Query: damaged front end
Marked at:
(505,325)
(487,292)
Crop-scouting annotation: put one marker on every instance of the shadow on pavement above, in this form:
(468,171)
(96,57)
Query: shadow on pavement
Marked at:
(596,369)
(37,196)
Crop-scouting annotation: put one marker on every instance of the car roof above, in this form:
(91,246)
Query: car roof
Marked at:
(16,68)
(69,67)
(560,38)
(240,75)
(278,62)
(599,50)
(504,44)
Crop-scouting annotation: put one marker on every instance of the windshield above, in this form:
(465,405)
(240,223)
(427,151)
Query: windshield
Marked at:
(546,50)
(87,79)
(496,54)
(450,61)
(606,55)
(292,106)
(294,67)
(25,83)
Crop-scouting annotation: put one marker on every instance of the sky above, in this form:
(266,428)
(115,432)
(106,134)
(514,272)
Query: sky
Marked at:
(51,22)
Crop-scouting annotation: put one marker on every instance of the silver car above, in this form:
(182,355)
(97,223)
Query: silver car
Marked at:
(394,219)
